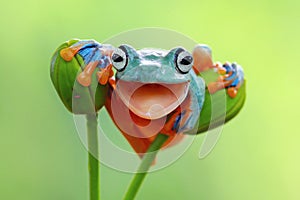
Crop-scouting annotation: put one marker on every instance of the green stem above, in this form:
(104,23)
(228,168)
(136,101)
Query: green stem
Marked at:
(144,166)
(92,138)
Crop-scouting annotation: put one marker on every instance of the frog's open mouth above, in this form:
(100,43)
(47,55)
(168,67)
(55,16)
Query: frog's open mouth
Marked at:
(152,100)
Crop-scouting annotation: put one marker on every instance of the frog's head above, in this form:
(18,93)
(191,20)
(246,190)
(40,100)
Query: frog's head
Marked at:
(151,82)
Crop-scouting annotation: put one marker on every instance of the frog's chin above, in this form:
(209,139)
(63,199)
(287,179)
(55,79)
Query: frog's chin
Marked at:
(152,100)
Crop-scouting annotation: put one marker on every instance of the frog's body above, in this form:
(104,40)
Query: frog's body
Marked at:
(152,91)
(155,69)
(158,97)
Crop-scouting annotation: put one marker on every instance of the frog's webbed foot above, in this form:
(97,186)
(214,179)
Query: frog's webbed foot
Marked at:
(95,55)
(230,76)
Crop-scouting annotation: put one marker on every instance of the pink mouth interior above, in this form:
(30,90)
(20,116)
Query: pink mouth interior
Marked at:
(153,100)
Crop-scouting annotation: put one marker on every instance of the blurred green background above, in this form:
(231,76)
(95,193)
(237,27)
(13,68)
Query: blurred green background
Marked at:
(257,156)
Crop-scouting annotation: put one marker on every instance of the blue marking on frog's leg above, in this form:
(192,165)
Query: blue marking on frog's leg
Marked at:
(233,71)
(89,50)
(231,77)
(84,44)
(92,51)
(236,78)
(240,73)
(237,74)
(234,83)
(94,55)
(177,121)
(197,95)
(68,53)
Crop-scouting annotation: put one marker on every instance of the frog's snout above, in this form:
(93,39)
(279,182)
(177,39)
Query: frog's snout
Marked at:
(152,100)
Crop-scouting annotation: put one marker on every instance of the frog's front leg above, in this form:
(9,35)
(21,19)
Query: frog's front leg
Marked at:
(94,55)
(68,53)
(230,75)
(217,76)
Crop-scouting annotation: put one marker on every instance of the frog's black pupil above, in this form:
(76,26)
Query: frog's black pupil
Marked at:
(186,60)
(117,58)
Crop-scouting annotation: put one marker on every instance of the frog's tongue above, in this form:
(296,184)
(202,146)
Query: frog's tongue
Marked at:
(152,100)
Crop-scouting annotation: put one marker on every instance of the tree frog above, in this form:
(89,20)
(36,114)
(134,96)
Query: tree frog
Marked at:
(151,90)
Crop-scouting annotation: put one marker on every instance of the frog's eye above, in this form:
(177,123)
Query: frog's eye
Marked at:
(184,61)
(119,58)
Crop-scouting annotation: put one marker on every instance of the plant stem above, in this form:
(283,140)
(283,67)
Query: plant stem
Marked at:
(92,132)
(144,166)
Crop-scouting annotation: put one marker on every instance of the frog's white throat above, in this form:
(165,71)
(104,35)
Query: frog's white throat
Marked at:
(152,100)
